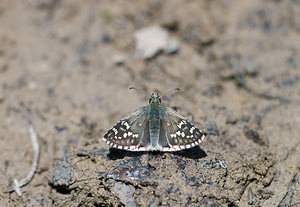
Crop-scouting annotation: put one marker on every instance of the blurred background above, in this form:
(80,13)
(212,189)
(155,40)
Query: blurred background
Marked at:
(66,66)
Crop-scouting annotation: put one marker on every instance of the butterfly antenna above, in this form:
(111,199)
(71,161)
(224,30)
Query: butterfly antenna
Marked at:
(134,88)
(171,91)
(137,89)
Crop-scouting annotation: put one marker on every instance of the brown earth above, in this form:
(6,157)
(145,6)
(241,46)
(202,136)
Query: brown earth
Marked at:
(238,70)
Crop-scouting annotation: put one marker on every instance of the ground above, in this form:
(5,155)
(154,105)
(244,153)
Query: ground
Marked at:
(66,66)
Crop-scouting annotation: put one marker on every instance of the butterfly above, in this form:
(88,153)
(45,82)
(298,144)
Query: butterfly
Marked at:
(154,127)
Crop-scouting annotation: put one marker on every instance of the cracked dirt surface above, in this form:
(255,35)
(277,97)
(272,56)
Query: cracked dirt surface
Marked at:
(238,69)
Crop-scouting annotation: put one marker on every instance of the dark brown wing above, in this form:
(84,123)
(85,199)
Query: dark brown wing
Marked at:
(130,133)
(177,132)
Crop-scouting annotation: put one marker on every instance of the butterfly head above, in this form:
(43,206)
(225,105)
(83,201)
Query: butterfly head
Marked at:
(155,99)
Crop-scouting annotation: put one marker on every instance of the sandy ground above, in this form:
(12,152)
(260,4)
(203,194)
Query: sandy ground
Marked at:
(238,69)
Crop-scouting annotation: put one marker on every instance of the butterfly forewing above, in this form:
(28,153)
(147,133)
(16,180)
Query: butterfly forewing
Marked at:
(178,132)
(130,133)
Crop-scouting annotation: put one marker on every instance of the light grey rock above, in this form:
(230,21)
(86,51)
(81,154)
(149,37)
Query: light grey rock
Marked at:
(125,193)
(152,40)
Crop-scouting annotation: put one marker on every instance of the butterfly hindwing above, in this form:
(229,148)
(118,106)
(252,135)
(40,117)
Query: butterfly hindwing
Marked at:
(130,133)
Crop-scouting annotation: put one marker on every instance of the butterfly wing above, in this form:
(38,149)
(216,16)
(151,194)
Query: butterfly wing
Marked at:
(177,132)
(130,133)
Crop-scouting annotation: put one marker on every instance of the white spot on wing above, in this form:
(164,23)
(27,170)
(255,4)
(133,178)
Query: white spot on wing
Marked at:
(127,125)
(115,130)
(203,136)
(180,124)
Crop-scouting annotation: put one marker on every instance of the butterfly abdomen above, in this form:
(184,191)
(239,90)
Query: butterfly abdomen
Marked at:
(154,125)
